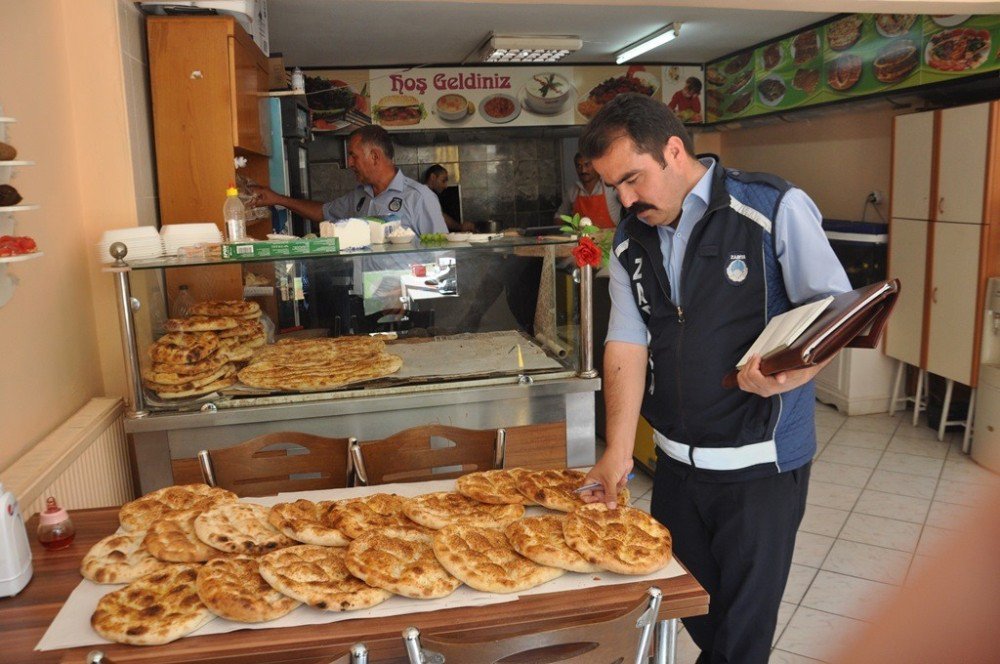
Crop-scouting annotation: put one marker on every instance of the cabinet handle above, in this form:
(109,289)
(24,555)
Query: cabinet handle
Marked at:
(989,428)
(941,205)
(934,295)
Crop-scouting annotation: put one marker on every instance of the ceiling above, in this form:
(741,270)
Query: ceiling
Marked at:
(383,33)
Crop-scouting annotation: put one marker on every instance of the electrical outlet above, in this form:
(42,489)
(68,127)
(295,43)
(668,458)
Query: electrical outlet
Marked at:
(876,197)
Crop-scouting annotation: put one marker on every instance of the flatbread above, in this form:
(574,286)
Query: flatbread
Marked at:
(161,379)
(554,489)
(226,381)
(119,558)
(171,538)
(239,528)
(205,366)
(307,522)
(333,374)
(540,539)
(183,348)
(437,510)
(158,608)
(142,512)
(483,559)
(623,540)
(497,487)
(232,588)
(317,576)
(375,512)
(225,308)
(400,561)
(319,351)
(244,328)
(199,324)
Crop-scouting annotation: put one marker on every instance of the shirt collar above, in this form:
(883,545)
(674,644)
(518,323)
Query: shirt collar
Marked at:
(597,189)
(696,201)
(398,183)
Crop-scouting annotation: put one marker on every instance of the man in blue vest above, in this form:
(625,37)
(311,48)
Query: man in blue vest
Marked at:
(705,257)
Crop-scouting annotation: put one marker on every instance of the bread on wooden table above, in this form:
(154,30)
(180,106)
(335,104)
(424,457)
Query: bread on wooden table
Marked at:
(317,576)
(140,513)
(554,489)
(307,522)
(497,487)
(171,538)
(444,508)
(623,540)
(240,528)
(378,511)
(119,558)
(540,538)
(400,561)
(483,559)
(232,588)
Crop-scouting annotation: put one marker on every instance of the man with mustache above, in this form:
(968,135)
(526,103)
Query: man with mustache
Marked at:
(705,257)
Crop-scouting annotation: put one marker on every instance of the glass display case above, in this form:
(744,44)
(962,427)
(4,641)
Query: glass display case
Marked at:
(487,334)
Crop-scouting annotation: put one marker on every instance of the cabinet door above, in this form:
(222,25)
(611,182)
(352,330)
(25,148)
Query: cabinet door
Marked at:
(951,331)
(962,164)
(249,84)
(908,263)
(913,144)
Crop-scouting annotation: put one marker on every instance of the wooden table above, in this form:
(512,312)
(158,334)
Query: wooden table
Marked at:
(25,617)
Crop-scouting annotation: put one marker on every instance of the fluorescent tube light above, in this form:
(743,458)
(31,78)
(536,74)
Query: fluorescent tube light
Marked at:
(658,38)
(515,48)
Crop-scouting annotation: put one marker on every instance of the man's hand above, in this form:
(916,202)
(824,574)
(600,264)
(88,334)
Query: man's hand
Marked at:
(751,380)
(264,197)
(612,472)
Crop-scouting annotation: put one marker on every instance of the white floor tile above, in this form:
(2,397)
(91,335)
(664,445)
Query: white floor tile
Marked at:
(903,484)
(799,578)
(967,470)
(641,504)
(868,562)
(923,565)
(847,596)
(785,657)
(641,484)
(880,531)
(918,446)
(823,520)
(911,464)
(850,456)
(893,506)
(877,423)
(871,440)
(687,651)
(836,496)
(838,473)
(907,429)
(953,517)
(811,549)
(824,434)
(828,417)
(955,449)
(960,493)
(934,540)
(785,611)
(817,634)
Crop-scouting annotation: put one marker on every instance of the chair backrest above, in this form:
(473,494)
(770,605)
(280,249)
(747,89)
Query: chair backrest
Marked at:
(595,639)
(432,452)
(277,462)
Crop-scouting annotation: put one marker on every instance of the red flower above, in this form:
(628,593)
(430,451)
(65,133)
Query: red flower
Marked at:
(587,253)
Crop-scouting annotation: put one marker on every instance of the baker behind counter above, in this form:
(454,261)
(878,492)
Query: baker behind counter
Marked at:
(382,191)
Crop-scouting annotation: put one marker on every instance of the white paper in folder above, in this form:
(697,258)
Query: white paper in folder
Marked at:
(782,330)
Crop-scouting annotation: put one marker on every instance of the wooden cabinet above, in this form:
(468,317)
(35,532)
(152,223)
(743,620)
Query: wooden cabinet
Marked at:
(944,240)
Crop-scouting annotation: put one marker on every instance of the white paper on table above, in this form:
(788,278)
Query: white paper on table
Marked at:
(71,626)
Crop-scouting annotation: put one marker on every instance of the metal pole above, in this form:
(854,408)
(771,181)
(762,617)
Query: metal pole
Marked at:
(587,323)
(126,323)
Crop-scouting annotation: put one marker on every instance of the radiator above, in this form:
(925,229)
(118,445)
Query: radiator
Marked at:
(83,463)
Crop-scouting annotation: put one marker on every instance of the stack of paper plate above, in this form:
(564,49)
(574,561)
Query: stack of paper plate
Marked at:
(176,236)
(142,242)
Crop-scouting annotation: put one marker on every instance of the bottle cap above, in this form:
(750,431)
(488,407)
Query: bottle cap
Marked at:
(53,514)
(232,191)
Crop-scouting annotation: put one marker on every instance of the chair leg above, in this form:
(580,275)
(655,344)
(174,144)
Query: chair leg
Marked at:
(969,419)
(894,398)
(918,399)
(359,654)
(949,388)
(665,650)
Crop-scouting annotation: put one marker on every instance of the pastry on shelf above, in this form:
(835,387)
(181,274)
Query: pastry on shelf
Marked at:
(8,195)
(7,152)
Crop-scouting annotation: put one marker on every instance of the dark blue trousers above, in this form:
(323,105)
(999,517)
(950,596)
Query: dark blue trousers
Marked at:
(737,539)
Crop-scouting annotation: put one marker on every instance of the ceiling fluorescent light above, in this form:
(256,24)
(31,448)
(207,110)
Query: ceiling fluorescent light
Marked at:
(658,38)
(516,48)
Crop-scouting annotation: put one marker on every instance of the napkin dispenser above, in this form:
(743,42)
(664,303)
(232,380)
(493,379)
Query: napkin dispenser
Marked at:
(15,554)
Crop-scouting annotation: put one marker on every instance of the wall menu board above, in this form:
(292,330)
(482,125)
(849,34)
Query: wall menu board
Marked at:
(852,56)
(475,97)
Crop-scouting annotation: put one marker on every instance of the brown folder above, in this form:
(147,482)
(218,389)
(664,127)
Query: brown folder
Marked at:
(854,319)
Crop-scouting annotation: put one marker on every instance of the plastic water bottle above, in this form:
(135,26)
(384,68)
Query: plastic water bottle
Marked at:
(235,216)
(298,81)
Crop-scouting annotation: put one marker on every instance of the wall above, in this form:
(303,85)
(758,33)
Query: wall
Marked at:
(837,158)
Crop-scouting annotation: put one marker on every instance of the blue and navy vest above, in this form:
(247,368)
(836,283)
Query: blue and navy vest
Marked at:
(732,285)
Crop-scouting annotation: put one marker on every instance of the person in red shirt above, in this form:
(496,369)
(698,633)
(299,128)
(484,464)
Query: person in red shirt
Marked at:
(686,103)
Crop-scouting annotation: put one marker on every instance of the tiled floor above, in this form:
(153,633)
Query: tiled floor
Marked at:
(883,493)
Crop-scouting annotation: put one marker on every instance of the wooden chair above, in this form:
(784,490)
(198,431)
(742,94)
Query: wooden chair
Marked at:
(277,462)
(412,455)
(621,639)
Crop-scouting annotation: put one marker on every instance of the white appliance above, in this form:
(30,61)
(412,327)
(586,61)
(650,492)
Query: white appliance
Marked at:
(986,442)
(251,14)
(15,554)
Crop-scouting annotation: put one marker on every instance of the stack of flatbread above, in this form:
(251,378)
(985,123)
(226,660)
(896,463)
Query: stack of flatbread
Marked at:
(305,365)
(191,553)
(201,354)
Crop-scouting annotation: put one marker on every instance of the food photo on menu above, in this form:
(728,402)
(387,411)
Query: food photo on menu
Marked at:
(336,104)
(635,78)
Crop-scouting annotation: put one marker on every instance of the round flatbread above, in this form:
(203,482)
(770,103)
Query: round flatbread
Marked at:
(200,324)
(483,559)
(400,561)
(119,558)
(540,539)
(275,375)
(157,380)
(554,489)
(226,381)
(183,348)
(307,522)
(171,538)
(497,487)
(232,588)
(378,511)
(437,510)
(158,608)
(623,540)
(239,528)
(244,328)
(238,308)
(317,576)
(142,512)
(203,367)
